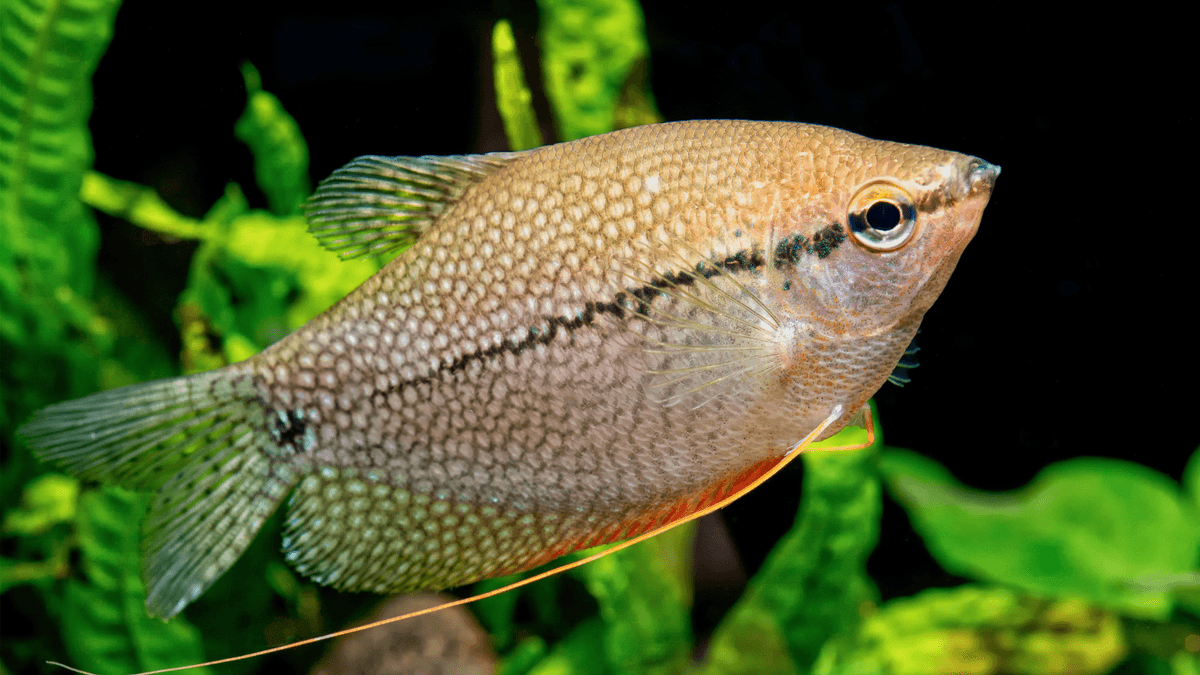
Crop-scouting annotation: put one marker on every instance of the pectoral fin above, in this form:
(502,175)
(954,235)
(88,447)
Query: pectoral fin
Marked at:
(908,361)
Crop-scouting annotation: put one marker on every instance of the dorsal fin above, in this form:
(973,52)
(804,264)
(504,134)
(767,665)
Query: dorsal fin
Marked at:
(376,204)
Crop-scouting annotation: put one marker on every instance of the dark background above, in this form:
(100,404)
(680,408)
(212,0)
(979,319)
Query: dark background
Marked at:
(1065,331)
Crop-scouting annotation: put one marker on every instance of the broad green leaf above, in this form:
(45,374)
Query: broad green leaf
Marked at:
(46,501)
(979,630)
(1093,528)
(105,625)
(814,582)
(590,49)
(513,98)
(280,153)
(645,595)
(50,334)
(1187,594)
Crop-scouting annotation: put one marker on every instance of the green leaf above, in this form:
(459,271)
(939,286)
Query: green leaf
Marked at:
(590,48)
(46,501)
(49,332)
(53,341)
(979,630)
(645,595)
(139,205)
(1094,528)
(814,582)
(1187,594)
(513,98)
(280,153)
(105,625)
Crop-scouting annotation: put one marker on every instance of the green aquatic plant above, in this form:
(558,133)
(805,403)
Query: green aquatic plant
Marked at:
(105,624)
(513,98)
(51,334)
(978,629)
(594,56)
(1093,565)
(814,583)
(1079,529)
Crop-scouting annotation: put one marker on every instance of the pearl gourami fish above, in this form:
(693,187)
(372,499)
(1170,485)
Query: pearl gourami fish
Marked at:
(581,343)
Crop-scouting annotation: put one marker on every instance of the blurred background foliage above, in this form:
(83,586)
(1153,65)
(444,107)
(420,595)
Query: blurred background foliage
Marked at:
(1094,567)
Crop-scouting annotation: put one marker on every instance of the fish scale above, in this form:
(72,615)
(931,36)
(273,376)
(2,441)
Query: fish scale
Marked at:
(579,344)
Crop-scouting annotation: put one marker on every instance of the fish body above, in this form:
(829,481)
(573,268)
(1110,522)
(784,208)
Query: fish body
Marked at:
(586,341)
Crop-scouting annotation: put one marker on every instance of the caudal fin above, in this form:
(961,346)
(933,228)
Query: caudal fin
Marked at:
(202,444)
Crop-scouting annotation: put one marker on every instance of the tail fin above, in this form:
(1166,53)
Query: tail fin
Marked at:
(202,443)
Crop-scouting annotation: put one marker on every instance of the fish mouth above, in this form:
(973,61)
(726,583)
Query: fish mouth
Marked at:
(978,180)
(964,179)
(981,177)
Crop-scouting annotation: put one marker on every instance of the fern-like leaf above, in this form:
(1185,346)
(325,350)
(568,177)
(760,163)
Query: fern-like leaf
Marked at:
(105,625)
(48,51)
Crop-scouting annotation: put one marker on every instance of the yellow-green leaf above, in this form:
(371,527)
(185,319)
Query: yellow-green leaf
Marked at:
(513,98)
(46,501)
(975,630)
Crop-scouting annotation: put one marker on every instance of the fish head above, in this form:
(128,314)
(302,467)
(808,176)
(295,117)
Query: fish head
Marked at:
(911,226)
(877,228)
(887,223)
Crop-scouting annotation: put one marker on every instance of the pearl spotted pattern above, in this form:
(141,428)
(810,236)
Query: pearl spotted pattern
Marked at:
(583,342)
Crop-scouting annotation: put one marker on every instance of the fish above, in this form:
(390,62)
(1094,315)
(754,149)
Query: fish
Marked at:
(575,345)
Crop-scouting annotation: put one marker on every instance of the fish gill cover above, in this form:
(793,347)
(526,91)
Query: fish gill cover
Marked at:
(1092,567)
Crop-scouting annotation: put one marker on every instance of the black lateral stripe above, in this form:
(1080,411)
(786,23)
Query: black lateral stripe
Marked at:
(823,242)
(637,301)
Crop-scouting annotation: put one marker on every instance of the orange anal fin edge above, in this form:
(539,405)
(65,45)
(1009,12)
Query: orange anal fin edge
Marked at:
(858,434)
(791,454)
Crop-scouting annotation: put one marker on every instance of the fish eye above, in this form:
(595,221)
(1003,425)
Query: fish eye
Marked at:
(881,216)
